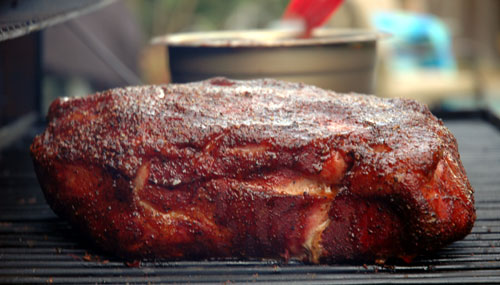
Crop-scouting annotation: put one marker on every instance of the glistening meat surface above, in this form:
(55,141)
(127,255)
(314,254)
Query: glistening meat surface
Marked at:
(253,169)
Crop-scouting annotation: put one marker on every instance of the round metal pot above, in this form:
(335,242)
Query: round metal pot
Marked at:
(340,60)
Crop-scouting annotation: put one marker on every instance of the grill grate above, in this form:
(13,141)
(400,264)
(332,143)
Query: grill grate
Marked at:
(38,247)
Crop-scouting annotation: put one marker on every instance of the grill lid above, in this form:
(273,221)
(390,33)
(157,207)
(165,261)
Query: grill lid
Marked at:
(20,17)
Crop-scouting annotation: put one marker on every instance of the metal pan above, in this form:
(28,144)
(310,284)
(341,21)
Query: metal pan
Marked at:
(341,60)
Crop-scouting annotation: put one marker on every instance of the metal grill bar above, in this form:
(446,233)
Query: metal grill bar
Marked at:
(18,18)
(38,247)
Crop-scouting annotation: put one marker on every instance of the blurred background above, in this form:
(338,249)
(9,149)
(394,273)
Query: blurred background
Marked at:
(445,53)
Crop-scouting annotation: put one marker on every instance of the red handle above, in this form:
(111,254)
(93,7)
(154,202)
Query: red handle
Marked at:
(313,12)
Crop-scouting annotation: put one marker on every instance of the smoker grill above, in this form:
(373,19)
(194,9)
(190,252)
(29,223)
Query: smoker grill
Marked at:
(38,247)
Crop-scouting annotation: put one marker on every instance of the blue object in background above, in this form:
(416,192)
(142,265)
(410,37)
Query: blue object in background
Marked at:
(419,41)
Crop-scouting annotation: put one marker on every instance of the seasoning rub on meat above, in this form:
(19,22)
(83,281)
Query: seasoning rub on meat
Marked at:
(253,169)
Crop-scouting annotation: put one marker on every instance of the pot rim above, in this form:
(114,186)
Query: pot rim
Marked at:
(267,38)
